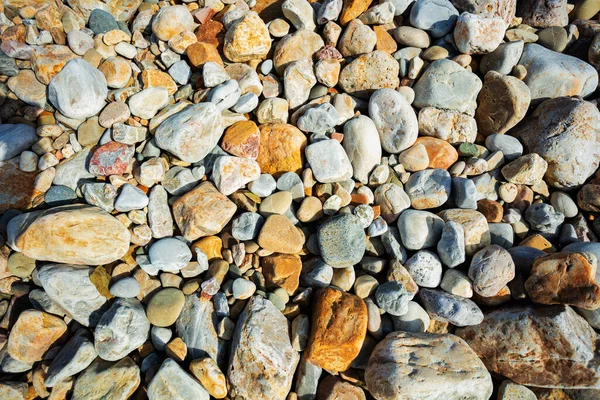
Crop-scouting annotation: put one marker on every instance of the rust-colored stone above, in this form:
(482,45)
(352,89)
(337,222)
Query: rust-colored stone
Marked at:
(211,246)
(279,235)
(352,9)
(539,242)
(154,78)
(211,32)
(242,139)
(47,61)
(492,210)
(111,158)
(200,53)
(385,41)
(33,334)
(282,270)
(339,327)
(441,153)
(17,186)
(281,149)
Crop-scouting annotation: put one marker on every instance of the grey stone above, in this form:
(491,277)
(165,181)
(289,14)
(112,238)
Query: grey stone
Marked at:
(72,170)
(510,146)
(41,301)
(393,297)
(502,234)
(445,84)
(10,365)
(395,120)
(169,254)
(447,307)
(247,226)
(263,186)
(225,95)
(392,242)
(126,288)
(316,274)
(419,229)
(78,90)
(99,194)
(104,379)
(101,21)
(172,382)
(307,380)
(362,144)
(342,241)
(415,320)
(436,16)
(392,200)
(464,193)
(451,247)
(59,195)
(564,204)
(425,268)
(8,65)
(591,247)
(159,213)
(181,72)
(15,138)
(329,161)
(75,356)
(246,103)
(13,390)
(542,217)
(319,119)
(160,336)
(503,59)
(429,188)
(491,269)
(197,327)
(131,198)
(213,74)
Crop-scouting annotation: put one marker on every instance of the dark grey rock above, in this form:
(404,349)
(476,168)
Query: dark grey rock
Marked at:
(446,307)
(342,241)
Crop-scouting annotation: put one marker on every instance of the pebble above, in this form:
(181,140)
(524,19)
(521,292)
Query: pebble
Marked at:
(15,138)
(436,16)
(425,268)
(131,198)
(415,320)
(329,162)
(126,288)
(171,380)
(429,188)
(451,246)
(395,120)
(169,255)
(491,268)
(476,34)
(75,356)
(342,241)
(232,173)
(419,229)
(319,119)
(503,59)
(447,307)
(165,306)
(393,298)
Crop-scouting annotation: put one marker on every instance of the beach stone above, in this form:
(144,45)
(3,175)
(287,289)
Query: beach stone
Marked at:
(298,45)
(210,376)
(544,133)
(262,358)
(554,38)
(415,320)
(503,103)
(170,21)
(440,153)
(475,226)
(242,139)
(319,119)
(393,297)
(14,139)
(503,59)
(282,270)
(392,200)
(169,254)
(165,306)
(564,204)
(452,126)
(457,283)
(247,226)
(329,11)
(277,203)
(565,278)
(463,374)
(490,270)
(71,288)
(352,9)
(33,334)
(278,234)
(47,61)
(361,143)
(525,170)
(112,158)
(509,390)
(395,120)
(232,173)
(411,37)
(148,102)
(101,21)
(329,161)
(201,53)
(508,332)
(126,288)
(246,39)
(504,9)
(425,268)
(369,72)
(281,149)
(510,146)
(76,234)
(298,80)
(332,388)
(451,246)
(446,307)
(104,378)
(357,38)
(436,16)
(414,158)
(117,72)
(225,95)
(477,34)
(551,74)
(419,229)
(429,188)
(28,89)
(131,198)
(75,356)
(335,342)
(542,14)
(203,211)
(342,241)
(159,214)
(173,382)
(19,188)
(300,13)
(200,123)
(121,329)
(197,327)
(78,90)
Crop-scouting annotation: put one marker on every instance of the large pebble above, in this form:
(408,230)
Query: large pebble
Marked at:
(170,21)
(429,188)
(436,16)
(369,72)
(395,120)
(329,162)
(14,138)
(419,229)
(447,307)
(171,381)
(75,356)
(491,268)
(362,145)
(476,34)
(104,378)
(342,241)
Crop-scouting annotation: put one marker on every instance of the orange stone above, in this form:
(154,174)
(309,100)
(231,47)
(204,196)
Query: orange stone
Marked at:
(539,242)
(48,61)
(33,334)
(242,139)
(200,53)
(176,349)
(17,186)
(441,153)
(339,327)
(282,270)
(154,78)
(492,210)
(279,235)
(281,149)
(211,32)
(385,41)
(211,246)
(15,33)
(352,9)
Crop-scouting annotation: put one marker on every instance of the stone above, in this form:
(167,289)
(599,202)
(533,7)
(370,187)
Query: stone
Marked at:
(357,38)
(554,38)
(200,123)
(369,72)
(425,268)
(112,158)
(172,381)
(411,37)
(342,241)
(444,80)
(544,333)
(298,45)
(565,278)
(419,229)
(78,91)
(415,320)
(544,133)
(169,254)
(441,366)
(262,358)
(15,138)
(329,161)
(247,226)
(126,288)
(282,270)
(101,21)
(33,334)
(490,270)
(541,14)
(392,200)
(104,378)
(246,39)
(510,146)
(319,119)
(298,79)
(75,356)
(429,188)
(393,298)
(225,95)
(503,59)
(300,13)
(477,34)
(509,390)
(395,120)
(148,102)
(159,213)
(457,283)
(76,234)
(414,158)
(503,103)
(564,204)
(335,341)
(446,307)
(451,126)
(210,376)
(121,329)
(281,149)
(28,89)
(165,306)
(475,226)
(242,139)
(201,53)
(233,173)
(242,289)
(436,16)
(551,74)
(170,21)
(196,326)
(439,152)
(525,170)
(451,246)
(278,234)
(47,61)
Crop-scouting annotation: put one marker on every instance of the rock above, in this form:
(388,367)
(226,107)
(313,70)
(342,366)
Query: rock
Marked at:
(475,226)
(357,39)
(278,234)
(328,161)
(298,79)
(101,21)
(545,133)
(361,143)
(210,376)
(452,126)
(445,84)
(148,102)
(503,103)
(282,270)
(565,278)
(262,359)
(78,91)
(233,173)
(159,213)
(126,288)
(451,246)
(121,329)
(242,139)
(13,390)
(15,138)
(541,14)
(393,298)
(28,89)
(503,59)
(392,200)
(75,356)
(442,366)
(491,269)
(369,72)
(477,34)
(281,149)
(352,9)
(342,241)
(563,204)
(411,37)
(551,74)
(525,170)
(103,378)
(395,120)
(33,334)
(559,345)
(300,13)
(112,158)
(197,327)
(509,390)
(415,320)
(47,61)
(504,9)
(18,187)
(436,16)
(554,38)
(429,188)
(446,307)
(199,123)
(439,152)
(339,327)
(246,39)
(71,288)
(319,119)
(425,268)
(170,21)
(510,146)
(173,382)
(165,306)
(419,229)
(298,45)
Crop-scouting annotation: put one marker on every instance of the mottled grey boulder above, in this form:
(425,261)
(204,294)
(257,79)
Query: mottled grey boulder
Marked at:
(197,327)
(342,241)
(447,307)
(172,382)
(262,361)
(75,356)
(107,380)
(419,229)
(451,247)
(395,120)
(436,16)
(503,59)
(14,138)
(429,188)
